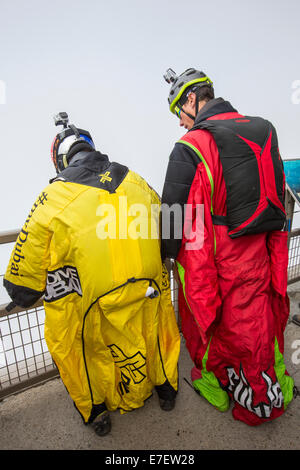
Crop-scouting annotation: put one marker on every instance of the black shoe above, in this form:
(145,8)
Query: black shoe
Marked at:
(102,424)
(167,405)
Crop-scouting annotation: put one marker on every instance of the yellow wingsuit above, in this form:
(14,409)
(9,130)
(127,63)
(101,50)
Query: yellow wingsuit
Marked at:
(110,325)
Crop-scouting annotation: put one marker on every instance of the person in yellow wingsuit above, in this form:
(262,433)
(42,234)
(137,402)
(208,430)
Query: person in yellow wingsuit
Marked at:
(91,247)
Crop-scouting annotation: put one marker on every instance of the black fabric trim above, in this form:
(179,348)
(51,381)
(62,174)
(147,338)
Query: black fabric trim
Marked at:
(219,219)
(218,108)
(209,104)
(162,364)
(272,218)
(94,170)
(96,411)
(166,391)
(22,296)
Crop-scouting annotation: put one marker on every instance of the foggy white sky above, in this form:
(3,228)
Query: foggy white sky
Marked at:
(102,62)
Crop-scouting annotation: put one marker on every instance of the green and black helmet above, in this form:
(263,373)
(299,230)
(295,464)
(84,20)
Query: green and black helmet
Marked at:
(182,84)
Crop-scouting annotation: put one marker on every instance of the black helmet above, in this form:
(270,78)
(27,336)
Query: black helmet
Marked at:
(180,84)
(63,145)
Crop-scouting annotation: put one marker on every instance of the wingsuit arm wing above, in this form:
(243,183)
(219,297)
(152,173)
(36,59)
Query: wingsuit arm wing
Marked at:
(26,275)
(278,252)
(196,261)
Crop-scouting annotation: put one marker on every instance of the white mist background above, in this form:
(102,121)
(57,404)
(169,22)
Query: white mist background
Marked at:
(103,63)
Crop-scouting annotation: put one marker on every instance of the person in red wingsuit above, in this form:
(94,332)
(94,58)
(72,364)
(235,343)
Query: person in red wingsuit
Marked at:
(233,298)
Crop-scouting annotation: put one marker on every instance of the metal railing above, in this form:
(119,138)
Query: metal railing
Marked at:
(24,357)
(294,257)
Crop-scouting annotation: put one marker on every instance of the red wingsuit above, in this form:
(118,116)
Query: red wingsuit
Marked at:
(233,296)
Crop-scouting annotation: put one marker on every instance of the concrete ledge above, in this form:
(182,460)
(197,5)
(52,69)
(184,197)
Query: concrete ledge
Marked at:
(44,417)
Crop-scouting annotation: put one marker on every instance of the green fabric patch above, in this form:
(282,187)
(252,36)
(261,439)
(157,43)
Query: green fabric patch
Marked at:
(285,381)
(208,386)
(181,272)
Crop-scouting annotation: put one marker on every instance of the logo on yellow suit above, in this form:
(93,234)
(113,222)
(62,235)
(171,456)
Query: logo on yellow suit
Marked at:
(105,177)
(132,368)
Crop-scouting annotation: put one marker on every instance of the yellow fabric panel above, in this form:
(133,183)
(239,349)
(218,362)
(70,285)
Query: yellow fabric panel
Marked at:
(129,327)
(102,336)
(35,237)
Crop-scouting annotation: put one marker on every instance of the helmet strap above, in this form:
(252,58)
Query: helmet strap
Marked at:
(64,161)
(189,115)
(196,108)
(197,105)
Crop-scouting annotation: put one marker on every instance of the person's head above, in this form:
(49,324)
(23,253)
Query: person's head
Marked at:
(189,92)
(69,143)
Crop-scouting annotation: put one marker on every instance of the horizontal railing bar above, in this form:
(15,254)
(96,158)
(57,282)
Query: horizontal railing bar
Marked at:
(294,279)
(17,309)
(9,236)
(294,233)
